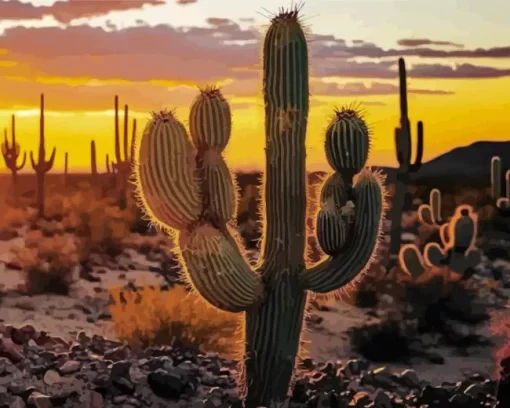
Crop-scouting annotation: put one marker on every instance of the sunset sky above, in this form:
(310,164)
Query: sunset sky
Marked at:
(154,53)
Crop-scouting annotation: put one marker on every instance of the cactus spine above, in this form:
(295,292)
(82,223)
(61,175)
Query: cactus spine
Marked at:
(42,166)
(501,201)
(124,157)
(194,197)
(93,159)
(403,145)
(11,153)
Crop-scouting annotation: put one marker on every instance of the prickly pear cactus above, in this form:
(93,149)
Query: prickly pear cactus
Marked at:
(184,186)
(457,250)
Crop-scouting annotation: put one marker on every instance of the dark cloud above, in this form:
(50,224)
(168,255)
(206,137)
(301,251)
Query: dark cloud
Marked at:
(186,1)
(69,10)
(419,42)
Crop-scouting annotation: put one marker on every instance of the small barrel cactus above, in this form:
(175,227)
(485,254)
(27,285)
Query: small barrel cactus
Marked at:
(184,186)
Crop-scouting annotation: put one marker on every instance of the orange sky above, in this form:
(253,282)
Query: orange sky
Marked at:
(81,66)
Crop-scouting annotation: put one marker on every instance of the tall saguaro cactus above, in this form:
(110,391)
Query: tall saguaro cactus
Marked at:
(42,166)
(124,156)
(403,144)
(11,153)
(184,185)
(93,159)
(66,169)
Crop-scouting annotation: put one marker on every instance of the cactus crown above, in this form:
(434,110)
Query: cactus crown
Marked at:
(287,15)
(353,115)
(164,116)
(211,92)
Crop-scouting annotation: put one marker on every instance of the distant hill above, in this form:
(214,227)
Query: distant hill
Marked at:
(470,161)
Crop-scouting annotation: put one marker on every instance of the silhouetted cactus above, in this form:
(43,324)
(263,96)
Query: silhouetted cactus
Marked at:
(185,185)
(430,214)
(456,251)
(107,161)
(124,157)
(501,201)
(66,168)
(403,143)
(11,153)
(42,166)
(93,159)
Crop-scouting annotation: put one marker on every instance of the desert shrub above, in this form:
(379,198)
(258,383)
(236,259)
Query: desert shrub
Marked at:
(96,220)
(49,265)
(153,317)
(12,220)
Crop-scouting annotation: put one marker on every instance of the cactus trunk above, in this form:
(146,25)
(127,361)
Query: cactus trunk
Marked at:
(273,330)
(66,168)
(93,160)
(403,144)
(42,166)
(11,153)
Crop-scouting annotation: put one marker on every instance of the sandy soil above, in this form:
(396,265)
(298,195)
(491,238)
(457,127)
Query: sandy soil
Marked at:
(86,310)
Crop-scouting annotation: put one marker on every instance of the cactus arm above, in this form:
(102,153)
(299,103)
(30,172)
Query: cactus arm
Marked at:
(496,178)
(215,267)
(340,269)
(48,165)
(412,261)
(23,162)
(126,121)
(117,134)
(32,161)
(414,167)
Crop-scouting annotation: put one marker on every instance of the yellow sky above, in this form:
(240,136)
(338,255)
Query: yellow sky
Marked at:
(79,97)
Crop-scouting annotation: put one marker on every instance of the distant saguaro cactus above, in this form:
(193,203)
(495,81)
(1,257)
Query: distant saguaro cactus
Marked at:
(124,157)
(93,159)
(107,161)
(66,169)
(42,166)
(11,153)
(184,184)
(501,201)
(403,145)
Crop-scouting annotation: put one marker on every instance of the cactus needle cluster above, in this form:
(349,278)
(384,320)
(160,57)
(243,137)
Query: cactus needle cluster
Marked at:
(184,186)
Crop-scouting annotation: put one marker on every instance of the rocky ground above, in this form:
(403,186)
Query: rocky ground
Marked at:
(80,368)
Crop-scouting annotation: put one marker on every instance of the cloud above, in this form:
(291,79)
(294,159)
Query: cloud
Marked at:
(212,54)
(250,87)
(69,10)
(184,2)
(419,42)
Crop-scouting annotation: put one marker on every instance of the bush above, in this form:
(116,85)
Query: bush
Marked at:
(153,317)
(12,220)
(97,221)
(500,327)
(49,265)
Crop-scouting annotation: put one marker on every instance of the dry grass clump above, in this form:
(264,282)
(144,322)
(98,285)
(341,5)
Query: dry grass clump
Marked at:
(49,265)
(153,317)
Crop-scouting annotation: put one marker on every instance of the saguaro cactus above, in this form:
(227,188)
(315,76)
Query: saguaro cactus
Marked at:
(403,145)
(66,168)
(501,201)
(124,157)
(93,159)
(457,249)
(107,161)
(42,166)
(11,153)
(183,184)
